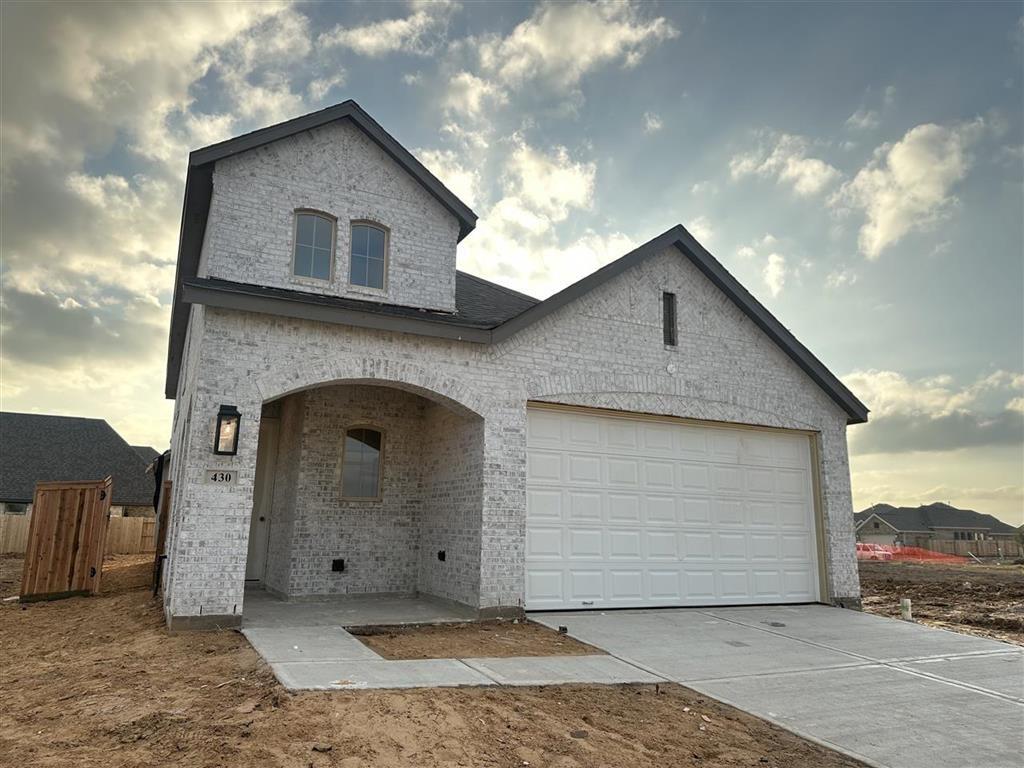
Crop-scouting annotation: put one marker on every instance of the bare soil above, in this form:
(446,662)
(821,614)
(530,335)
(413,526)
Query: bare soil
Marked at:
(985,600)
(475,640)
(97,681)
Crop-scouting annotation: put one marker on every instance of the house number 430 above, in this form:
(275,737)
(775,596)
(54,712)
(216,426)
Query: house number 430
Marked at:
(220,476)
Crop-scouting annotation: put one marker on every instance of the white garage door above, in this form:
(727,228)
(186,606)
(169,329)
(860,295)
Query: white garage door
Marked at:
(635,512)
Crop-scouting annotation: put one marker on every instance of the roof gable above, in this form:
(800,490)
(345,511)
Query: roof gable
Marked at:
(688,246)
(42,448)
(199,191)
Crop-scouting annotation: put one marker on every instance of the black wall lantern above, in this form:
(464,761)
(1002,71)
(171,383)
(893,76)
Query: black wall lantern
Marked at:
(225,439)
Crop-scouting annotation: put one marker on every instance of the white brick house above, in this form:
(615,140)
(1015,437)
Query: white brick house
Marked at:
(650,436)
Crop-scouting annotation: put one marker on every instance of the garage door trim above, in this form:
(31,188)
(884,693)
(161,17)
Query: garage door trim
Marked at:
(821,553)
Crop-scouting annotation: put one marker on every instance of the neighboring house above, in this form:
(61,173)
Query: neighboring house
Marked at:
(922,526)
(147,453)
(37,448)
(649,436)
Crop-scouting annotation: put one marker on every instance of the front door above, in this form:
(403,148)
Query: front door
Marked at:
(263,496)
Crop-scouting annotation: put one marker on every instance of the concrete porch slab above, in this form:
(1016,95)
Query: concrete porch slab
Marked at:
(561,670)
(288,644)
(362,674)
(261,609)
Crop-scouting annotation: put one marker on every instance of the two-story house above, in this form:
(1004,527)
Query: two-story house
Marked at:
(355,416)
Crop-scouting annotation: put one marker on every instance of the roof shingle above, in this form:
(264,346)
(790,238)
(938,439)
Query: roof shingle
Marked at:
(40,448)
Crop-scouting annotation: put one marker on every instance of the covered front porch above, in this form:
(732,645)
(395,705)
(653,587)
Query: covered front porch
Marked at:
(367,508)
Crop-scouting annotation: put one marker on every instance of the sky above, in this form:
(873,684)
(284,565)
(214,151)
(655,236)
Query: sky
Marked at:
(859,167)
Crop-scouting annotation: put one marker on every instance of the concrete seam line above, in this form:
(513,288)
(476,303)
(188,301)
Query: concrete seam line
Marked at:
(879,662)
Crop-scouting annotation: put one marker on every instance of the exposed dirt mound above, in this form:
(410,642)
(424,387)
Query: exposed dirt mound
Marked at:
(96,681)
(477,640)
(985,600)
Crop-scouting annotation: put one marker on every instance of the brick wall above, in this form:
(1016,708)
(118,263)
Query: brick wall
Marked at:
(335,169)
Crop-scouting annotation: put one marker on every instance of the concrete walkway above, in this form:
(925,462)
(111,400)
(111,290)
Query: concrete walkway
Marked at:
(888,692)
(326,658)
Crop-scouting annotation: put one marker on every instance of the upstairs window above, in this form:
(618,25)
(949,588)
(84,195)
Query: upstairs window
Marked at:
(360,474)
(369,255)
(314,246)
(668,318)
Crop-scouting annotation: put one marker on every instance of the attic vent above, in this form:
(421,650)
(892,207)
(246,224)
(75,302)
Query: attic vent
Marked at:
(668,318)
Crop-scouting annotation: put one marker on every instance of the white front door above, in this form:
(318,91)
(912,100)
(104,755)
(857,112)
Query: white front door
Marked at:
(637,512)
(263,496)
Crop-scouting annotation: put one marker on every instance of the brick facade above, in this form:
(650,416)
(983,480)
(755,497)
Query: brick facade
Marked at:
(467,403)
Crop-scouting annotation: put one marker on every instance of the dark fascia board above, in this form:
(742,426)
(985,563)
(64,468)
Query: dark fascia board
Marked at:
(856,411)
(352,111)
(252,299)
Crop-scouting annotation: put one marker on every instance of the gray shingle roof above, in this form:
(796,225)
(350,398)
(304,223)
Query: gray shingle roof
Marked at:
(147,453)
(480,305)
(39,448)
(931,516)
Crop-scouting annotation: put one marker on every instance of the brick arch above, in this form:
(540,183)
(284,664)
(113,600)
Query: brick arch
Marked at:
(670,396)
(375,371)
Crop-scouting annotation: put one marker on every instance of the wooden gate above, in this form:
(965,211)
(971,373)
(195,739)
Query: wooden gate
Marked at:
(66,540)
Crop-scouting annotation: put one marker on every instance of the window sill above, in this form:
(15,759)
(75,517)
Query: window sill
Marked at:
(366,290)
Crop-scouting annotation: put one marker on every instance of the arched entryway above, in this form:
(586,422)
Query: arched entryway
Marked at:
(367,487)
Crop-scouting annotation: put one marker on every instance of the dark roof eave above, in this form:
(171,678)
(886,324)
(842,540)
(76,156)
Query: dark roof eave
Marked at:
(253,299)
(352,111)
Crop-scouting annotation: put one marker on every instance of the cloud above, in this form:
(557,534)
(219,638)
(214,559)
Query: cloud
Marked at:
(784,158)
(774,273)
(321,86)
(562,42)
(652,123)
(862,120)
(445,164)
(933,414)
(420,33)
(841,278)
(701,229)
(517,240)
(88,255)
(549,183)
(908,186)
(471,96)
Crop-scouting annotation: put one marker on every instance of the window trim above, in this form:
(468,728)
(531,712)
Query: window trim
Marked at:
(669,319)
(380,462)
(387,254)
(334,244)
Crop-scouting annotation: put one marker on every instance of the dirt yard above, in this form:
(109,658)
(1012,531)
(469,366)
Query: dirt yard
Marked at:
(96,682)
(986,600)
(468,641)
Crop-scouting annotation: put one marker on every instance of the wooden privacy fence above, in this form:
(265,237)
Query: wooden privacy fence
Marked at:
(125,535)
(66,538)
(985,548)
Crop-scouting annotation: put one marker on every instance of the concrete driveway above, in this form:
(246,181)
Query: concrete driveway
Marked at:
(885,691)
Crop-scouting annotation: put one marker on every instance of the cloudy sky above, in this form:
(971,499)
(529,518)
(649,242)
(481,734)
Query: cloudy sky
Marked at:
(858,167)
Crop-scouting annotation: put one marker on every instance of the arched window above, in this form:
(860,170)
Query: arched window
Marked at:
(369,255)
(361,464)
(314,245)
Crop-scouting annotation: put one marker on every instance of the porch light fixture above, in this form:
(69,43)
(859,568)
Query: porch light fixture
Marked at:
(225,439)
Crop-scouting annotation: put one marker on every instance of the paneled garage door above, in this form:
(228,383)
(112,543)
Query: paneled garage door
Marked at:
(636,512)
